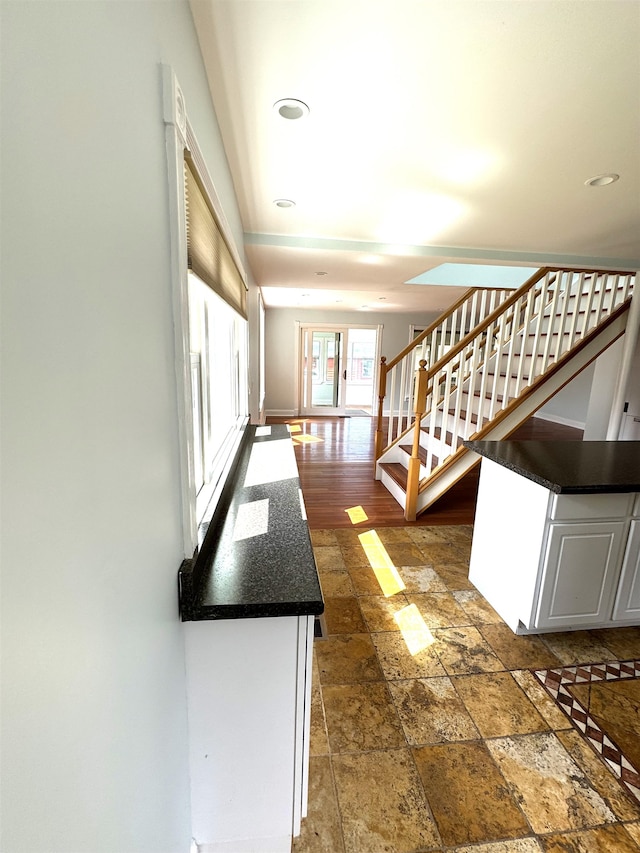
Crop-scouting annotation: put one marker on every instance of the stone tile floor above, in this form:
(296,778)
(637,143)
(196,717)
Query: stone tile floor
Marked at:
(430,731)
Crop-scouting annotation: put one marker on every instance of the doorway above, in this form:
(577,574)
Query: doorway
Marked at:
(338,369)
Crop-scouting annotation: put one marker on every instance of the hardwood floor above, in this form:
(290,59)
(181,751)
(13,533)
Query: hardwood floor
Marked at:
(335,461)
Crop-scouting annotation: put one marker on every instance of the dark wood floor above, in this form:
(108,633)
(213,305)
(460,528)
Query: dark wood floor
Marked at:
(335,461)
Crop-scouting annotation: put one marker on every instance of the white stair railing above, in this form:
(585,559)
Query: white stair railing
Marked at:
(396,379)
(514,347)
(486,374)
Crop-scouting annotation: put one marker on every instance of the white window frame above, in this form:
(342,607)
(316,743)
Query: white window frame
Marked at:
(179,137)
(218,343)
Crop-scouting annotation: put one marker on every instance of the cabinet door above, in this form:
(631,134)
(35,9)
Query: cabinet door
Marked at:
(580,574)
(628,602)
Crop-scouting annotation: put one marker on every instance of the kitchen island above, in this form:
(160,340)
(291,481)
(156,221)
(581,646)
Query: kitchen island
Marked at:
(249,603)
(556,543)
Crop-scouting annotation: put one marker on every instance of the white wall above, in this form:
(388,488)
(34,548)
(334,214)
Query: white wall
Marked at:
(280,354)
(587,400)
(571,404)
(94,749)
(603,388)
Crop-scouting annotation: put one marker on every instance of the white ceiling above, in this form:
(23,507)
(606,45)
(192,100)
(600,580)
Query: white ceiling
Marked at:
(444,131)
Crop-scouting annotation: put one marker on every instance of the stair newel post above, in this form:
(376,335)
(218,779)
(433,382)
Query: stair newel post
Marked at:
(382,392)
(413,475)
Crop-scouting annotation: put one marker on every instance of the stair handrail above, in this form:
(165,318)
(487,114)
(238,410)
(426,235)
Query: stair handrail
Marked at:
(470,304)
(528,310)
(461,345)
(508,318)
(503,308)
(439,321)
(488,321)
(424,385)
(411,346)
(487,428)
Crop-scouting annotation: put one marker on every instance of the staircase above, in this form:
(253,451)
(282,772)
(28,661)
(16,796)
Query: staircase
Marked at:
(483,368)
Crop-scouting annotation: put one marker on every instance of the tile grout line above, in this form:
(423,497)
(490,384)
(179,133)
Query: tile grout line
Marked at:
(410,747)
(477,624)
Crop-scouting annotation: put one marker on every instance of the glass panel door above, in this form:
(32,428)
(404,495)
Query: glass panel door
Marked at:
(325,373)
(338,369)
(322,375)
(360,363)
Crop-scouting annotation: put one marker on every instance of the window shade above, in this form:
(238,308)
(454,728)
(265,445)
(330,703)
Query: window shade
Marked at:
(207,252)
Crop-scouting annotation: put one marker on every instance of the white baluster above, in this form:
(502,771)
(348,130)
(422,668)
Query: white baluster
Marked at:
(577,304)
(561,320)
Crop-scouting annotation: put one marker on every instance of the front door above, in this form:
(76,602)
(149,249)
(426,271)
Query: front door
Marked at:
(337,369)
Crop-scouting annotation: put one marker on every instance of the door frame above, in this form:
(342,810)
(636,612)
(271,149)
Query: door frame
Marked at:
(340,411)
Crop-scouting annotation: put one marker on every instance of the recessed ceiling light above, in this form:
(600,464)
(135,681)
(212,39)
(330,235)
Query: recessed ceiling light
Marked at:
(291,108)
(284,202)
(602,180)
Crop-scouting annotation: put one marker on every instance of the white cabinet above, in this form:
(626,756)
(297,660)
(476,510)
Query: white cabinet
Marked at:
(549,562)
(627,604)
(249,705)
(580,573)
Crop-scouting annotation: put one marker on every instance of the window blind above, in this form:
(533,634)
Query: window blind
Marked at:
(207,251)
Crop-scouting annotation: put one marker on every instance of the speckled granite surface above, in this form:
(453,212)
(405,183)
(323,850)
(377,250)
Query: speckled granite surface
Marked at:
(257,559)
(569,467)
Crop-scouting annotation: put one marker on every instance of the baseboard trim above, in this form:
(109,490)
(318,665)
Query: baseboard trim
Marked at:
(281,844)
(281,413)
(557,419)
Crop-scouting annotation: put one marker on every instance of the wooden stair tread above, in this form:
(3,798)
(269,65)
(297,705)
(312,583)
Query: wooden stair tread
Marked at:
(422,452)
(545,334)
(437,433)
(473,418)
(499,397)
(397,472)
(502,375)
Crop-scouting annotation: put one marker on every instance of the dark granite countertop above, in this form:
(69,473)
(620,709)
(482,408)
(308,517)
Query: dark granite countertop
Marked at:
(256,559)
(569,467)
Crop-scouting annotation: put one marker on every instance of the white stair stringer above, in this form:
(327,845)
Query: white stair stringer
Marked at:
(392,487)
(530,403)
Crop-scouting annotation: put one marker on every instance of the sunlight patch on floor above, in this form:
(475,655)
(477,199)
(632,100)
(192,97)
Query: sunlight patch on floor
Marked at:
(386,573)
(356,514)
(303,438)
(414,629)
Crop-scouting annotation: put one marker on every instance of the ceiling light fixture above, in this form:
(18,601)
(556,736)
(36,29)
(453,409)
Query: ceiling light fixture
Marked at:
(322,273)
(291,108)
(284,202)
(602,180)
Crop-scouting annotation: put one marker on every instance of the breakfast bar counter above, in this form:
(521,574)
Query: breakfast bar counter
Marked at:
(556,544)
